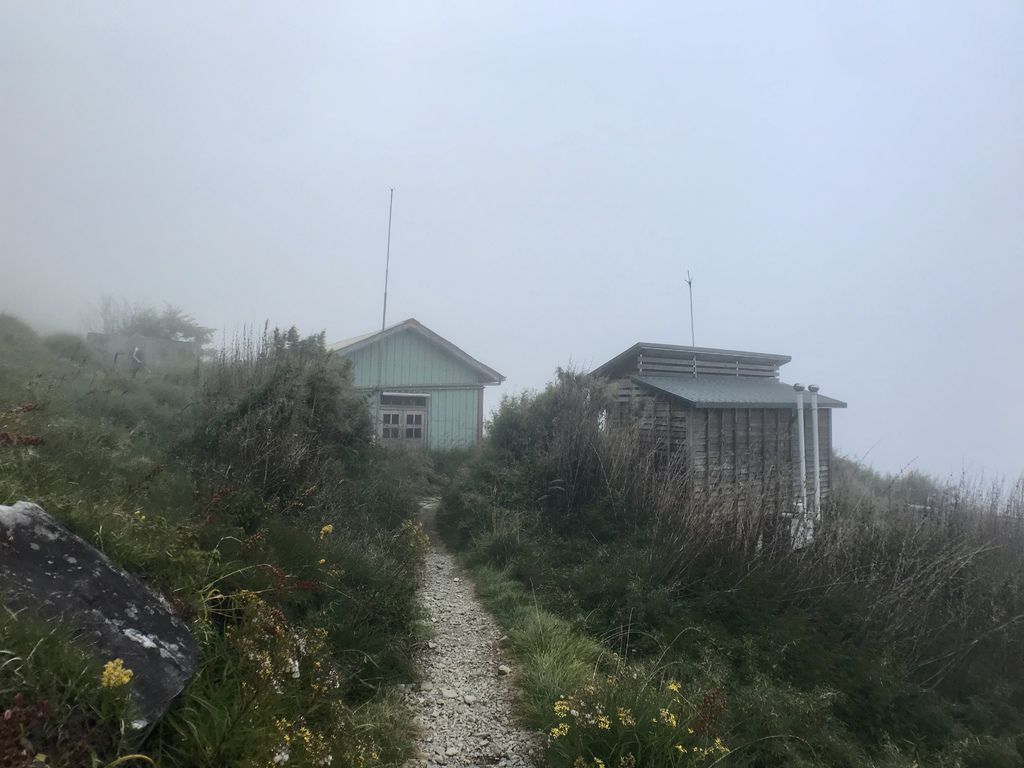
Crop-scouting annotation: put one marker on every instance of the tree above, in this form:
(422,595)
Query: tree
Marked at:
(118,316)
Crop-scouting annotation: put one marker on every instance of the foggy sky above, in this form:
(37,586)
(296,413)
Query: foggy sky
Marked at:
(845,181)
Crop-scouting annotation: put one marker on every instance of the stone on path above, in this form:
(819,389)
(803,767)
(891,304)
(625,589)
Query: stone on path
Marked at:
(461,703)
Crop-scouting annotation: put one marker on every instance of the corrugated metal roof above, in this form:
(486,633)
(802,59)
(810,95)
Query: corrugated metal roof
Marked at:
(732,392)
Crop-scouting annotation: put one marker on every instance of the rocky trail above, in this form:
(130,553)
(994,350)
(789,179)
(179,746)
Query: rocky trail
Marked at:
(463,705)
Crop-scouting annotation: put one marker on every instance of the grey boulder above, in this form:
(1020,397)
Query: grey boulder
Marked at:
(54,574)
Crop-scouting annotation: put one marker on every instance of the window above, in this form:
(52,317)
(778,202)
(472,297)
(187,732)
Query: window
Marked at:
(390,428)
(403,418)
(414,426)
(404,401)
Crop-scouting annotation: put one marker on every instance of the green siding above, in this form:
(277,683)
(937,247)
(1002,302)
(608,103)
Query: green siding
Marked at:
(408,360)
(452,418)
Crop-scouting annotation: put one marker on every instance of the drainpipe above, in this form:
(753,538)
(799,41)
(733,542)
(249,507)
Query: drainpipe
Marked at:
(813,389)
(802,443)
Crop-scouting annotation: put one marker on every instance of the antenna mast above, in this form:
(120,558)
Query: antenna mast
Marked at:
(387,263)
(689,282)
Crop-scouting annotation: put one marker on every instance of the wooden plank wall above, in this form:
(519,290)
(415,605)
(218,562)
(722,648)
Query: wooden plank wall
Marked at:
(649,364)
(739,445)
(734,445)
(662,421)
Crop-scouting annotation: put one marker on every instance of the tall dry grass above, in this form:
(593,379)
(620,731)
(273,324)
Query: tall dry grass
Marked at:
(939,585)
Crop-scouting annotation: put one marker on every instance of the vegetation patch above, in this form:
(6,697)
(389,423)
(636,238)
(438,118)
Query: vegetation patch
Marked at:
(245,488)
(893,640)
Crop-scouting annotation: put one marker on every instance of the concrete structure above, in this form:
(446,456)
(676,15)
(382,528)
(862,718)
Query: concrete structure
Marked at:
(422,389)
(134,352)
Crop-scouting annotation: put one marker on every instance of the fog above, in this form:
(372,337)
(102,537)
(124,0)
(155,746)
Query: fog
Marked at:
(845,182)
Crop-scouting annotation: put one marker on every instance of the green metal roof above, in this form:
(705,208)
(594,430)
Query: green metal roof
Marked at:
(731,392)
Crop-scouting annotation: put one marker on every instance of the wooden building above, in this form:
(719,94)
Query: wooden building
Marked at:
(723,414)
(422,389)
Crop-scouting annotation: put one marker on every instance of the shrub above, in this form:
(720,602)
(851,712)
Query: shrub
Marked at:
(279,414)
(167,472)
(896,632)
(632,718)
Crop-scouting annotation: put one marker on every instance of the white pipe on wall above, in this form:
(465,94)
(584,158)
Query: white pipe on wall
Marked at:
(802,442)
(813,389)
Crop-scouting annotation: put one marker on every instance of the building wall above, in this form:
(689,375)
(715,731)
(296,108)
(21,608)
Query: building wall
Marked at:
(736,445)
(743,445)
(406,362)
(407,359)
(454,415)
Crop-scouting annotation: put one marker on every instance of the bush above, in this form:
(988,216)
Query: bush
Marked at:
(69,346)
(886,641)
(278,414)
(247,491)
(633,718)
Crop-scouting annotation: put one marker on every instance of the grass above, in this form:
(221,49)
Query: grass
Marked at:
(593,706)
(303,634)
(43,670)
(893,641)
(554,658)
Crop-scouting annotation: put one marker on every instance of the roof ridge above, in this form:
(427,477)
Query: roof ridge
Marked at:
(348,346)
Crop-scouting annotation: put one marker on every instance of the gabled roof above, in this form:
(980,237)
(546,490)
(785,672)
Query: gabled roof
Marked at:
(701,354)
(731,392)
(346,347)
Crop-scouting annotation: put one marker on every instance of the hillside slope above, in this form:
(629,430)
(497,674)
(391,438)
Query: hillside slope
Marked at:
(248,492)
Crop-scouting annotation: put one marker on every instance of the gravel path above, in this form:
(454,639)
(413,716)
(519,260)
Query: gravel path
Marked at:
(462,707)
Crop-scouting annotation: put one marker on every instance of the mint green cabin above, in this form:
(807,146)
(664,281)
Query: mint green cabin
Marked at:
(422,389)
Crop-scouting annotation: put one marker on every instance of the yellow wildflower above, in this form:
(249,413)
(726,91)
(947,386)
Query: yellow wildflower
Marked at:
(562,708)
(327,529)
(559,730)
(598,762)
(673,686)
(668,718)
(115,674)
(603,723)
(626,717)
(680,749)
(322,561)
